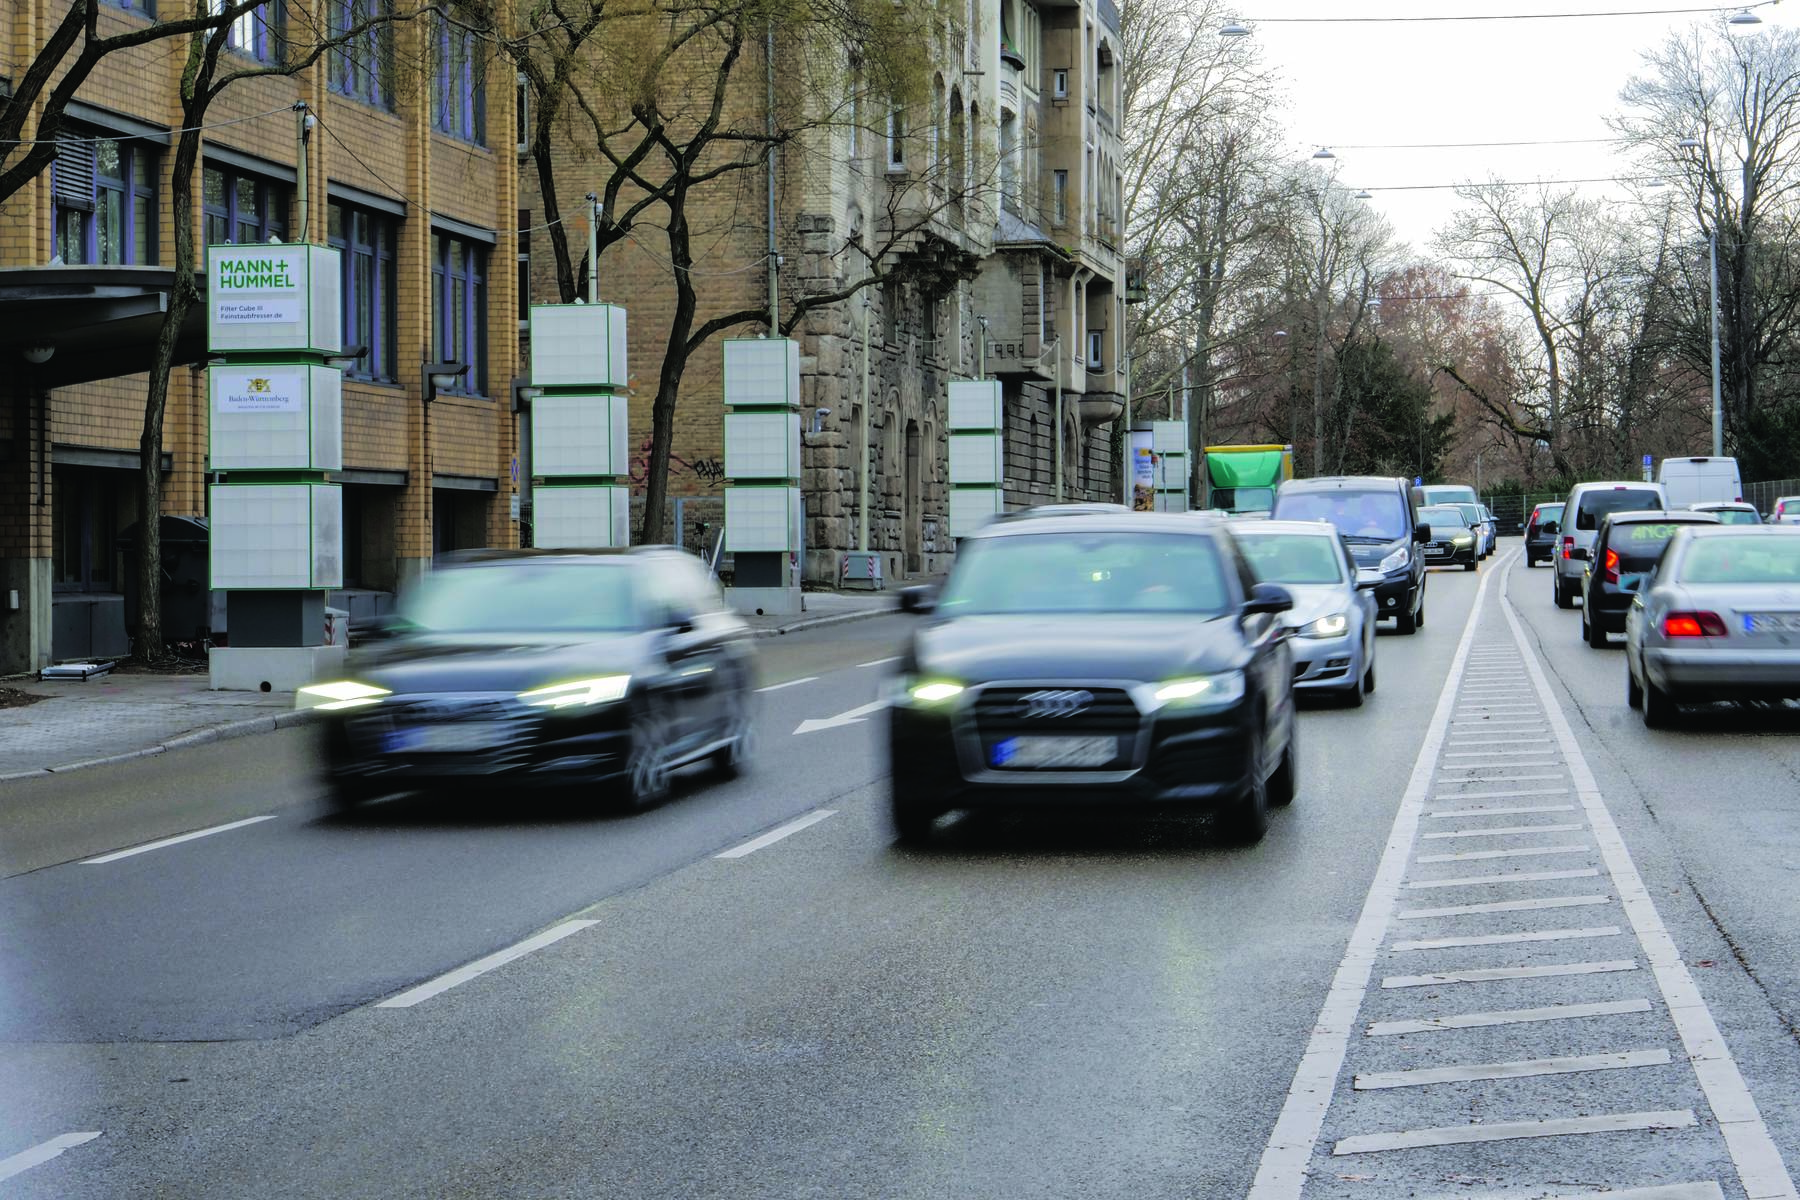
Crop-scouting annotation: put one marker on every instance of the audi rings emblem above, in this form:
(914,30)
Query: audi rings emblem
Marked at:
(1058,702)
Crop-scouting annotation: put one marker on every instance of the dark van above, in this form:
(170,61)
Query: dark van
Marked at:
(1376,516)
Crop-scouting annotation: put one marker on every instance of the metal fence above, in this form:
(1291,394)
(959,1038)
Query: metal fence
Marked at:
(1764,494)
(1511,509)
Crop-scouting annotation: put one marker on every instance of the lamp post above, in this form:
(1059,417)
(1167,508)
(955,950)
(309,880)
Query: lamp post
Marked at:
(1692,145)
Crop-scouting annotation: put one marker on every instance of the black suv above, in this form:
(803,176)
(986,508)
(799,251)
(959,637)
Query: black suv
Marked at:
(1625,549)
(1128,660)
(1377,518)
(1540,533)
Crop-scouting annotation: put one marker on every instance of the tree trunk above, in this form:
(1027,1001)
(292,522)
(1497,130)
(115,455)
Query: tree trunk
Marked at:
(674,365)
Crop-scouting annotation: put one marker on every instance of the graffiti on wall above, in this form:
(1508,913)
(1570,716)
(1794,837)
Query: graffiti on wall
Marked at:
(709,471)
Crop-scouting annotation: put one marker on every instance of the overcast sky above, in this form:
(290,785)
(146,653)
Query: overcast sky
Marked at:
(1353,85)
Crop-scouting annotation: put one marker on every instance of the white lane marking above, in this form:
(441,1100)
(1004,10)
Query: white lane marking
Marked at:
(1532,753)
(1531,905)
(116,855)
(1510,939)
(776,687)
(1281,1172)
(1471,709)
(1672,1191)
(1494,974)
(482,966)
(1511,810)
(1492,779)
(852,716)
(43,1152)
(1513,877)
(1473,855)
(1501,1131)
(776,834)
(1508,795)
(879,662)
(1573,1064)
(1512,1016)
(1463,739)
(1753,1151)
(1500,831)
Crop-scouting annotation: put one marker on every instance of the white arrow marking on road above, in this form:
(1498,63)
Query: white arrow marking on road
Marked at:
(852,717)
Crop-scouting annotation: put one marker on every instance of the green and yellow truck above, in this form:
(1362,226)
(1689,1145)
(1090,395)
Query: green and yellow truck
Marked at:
(1243,479)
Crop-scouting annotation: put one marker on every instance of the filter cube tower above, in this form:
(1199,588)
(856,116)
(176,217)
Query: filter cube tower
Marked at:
(764,520)
(977,455)
(1169,445)
(580,427)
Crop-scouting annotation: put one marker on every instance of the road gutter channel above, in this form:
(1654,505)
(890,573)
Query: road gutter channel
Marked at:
(1283,1168)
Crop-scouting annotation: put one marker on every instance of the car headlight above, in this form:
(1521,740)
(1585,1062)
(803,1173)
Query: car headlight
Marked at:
(580,693)
(1397,561)
(1326,627)
(924,693)
(342,694)
(1463,539)
(1227,687)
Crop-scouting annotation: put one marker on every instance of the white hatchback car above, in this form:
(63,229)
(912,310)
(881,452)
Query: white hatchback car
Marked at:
(1786,511)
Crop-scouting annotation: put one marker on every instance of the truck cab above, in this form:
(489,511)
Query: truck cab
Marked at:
(1241,480)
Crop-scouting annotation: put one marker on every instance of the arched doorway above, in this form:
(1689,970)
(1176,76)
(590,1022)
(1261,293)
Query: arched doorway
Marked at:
(912,528)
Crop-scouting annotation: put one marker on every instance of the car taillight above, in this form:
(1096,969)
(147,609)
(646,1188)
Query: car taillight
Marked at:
(1610,567)
(1568,546)
(1693,624)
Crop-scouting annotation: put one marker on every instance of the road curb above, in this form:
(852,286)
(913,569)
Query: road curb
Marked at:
(820,622)
(199,737)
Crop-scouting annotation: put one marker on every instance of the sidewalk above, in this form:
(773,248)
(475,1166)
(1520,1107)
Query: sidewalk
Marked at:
(119,716)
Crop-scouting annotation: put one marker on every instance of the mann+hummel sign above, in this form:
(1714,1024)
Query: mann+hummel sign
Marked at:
(273,298)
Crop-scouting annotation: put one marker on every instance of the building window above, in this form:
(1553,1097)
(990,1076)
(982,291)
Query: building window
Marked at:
(256,33)
(104,202)
(856,111)
(1009,165)
(241,208)
(896,139)
(459,309)
(524,260)
(1059,196)
(147,7)
(1059,84)
(363,66)
(522,111)
(1096,345)
(458,85)
(365,241)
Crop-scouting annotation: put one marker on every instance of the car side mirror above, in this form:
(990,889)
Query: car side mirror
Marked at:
(1268,598)
(1367,582)
(918,599)
(1421,533)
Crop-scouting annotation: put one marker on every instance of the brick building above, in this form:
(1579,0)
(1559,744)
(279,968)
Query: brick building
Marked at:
(993,209)
(409,170)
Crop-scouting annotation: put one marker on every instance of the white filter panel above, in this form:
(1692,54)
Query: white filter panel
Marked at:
(578,345)
(327,535)
(273,297)
(761,519)
(762,373)
(974,404)
(1169,437)
(580,435)
(581,517)
(260,536)
(273,417)
(976,458)
(971,508)
(1171,471)
(762,445)
(1171,501)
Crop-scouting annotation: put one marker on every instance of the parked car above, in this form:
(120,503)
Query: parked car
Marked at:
(1786,511)
(602,671)
(1688,481)
(1377,517)
(1720,620)
(1541,534)
(1587,503)
(1625,551)
(1453,540)
(1333,618)
(1111,660)
(1730,512)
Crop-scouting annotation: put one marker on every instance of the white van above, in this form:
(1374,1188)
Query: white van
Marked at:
(1694,480)
(1582,511)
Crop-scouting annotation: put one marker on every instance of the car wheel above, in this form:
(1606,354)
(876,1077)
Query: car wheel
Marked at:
(343,795)
(647,772)
(1593,631)
(1470,565)
(1248,820)
(913,818)
(1419,617)
(1353,695)
(1659,708)
(1368,683)
(1284,784)
(1634,691)
(1563,598)
(1404,622)
(733,759)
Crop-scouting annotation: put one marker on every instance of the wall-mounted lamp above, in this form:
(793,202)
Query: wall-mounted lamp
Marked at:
(38,353)
(818,421)
(441,377)
(347,358)
(523,395)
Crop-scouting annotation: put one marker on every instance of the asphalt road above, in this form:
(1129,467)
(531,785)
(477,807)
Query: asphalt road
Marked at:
(504,997)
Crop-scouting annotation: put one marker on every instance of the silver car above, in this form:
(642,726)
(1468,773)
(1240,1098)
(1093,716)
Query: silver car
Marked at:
(1718,619)
(1333,618)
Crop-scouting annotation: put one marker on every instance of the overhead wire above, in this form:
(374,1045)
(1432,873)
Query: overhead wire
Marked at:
(1547,16)
(157,136)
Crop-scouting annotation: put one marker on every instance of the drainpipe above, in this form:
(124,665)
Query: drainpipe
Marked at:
(303,122)
(769,122)
(862,429)
(1128,462)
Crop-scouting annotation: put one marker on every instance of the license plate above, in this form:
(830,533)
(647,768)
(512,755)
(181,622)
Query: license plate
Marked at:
(442,739)
(1026,752)
(1772,622)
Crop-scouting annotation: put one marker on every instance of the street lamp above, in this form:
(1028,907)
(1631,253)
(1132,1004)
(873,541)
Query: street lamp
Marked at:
(1712,295)
(1323,152)
(441,377)
(1234,29)
(347,358)
(1743,19)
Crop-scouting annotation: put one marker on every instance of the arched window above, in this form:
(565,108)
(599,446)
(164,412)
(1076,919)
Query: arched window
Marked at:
(937,126)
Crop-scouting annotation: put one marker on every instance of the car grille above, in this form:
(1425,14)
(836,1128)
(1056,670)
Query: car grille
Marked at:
(1058,711)
(496,734)
(1178,766)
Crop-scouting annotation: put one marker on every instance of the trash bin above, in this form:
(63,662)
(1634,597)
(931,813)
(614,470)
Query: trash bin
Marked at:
(187,599)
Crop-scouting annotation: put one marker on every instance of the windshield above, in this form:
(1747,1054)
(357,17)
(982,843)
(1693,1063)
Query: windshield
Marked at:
(525,596)
(1736,516)
(1244,499)
(1595,505)
(1444,515)
(1454,493)
(1293,557)
(1078,573)
(1752,559)
(1355,514)
(1548,514)
(1471,513)
(1640,543)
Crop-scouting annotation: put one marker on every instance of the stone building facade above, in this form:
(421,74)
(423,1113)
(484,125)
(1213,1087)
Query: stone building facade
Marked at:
(988,213)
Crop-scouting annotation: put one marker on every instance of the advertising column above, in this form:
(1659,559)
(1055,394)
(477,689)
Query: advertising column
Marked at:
(276,427)
(977,457)
(580,428)
(763,518)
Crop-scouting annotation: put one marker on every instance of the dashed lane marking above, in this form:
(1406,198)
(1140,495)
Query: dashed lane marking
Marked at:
(1500,831)
(776,687)
(1512,1016)
(1501,1131)
(1511,877)
(43,1152)
(116,855)
(1527,852)
(482,966)
(1573,1064)
(1498,906)
(1494,974)
(1509,939)
(1499,811)
(776,834)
